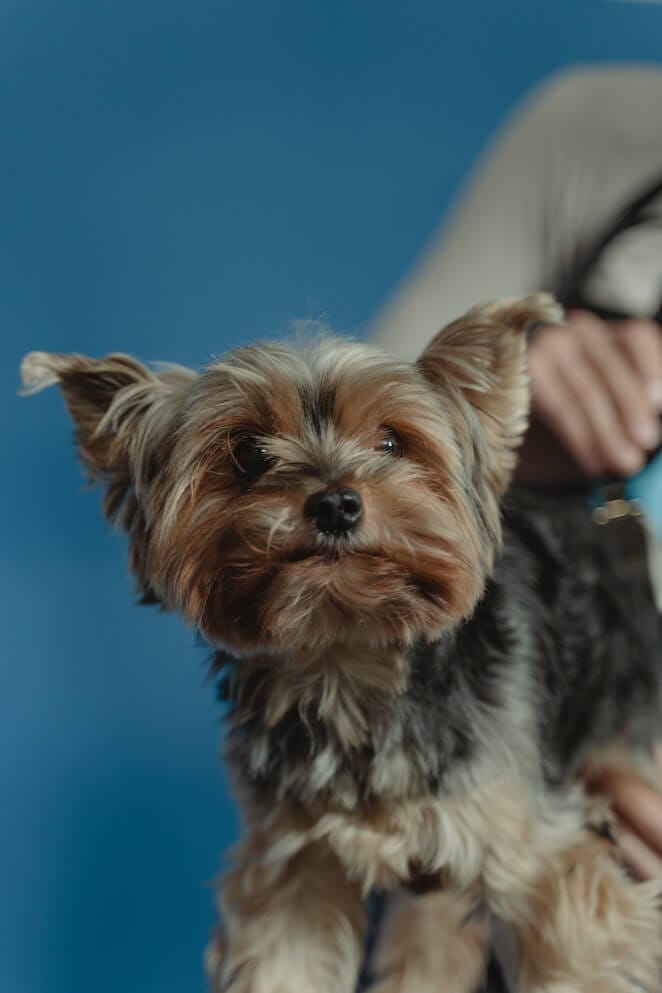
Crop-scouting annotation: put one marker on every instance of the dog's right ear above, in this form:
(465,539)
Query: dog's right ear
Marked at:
(122,410)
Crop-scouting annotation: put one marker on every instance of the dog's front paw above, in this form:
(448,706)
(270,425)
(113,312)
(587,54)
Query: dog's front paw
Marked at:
(231,970)
(214,958)
(434,943)
(602,933)
(394,983)
(226,975)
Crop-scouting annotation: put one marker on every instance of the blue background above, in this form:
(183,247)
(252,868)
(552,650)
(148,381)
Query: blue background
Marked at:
(178,177)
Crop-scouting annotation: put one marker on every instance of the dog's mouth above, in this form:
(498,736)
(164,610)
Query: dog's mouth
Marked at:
(335,550)
(331,555)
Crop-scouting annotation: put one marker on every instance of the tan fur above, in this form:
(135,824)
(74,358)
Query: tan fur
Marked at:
(587,927)
(491,373)
(433,943)
(289,926)
(425,540)
(202,549)
(579,922)
(324,628)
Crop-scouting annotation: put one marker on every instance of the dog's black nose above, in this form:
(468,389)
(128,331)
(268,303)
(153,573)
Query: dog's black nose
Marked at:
(334,511)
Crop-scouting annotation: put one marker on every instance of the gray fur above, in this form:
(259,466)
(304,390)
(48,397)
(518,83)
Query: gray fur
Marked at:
(574,649)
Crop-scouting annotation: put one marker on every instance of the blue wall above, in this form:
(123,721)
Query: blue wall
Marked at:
(178,177)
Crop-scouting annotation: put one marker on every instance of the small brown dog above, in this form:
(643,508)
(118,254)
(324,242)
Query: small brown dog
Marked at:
(410,700)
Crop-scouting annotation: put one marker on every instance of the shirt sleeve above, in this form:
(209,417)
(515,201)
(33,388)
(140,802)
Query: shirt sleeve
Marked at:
(555,174)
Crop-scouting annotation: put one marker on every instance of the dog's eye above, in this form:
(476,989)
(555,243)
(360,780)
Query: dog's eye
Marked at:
(390,443)
(251,459)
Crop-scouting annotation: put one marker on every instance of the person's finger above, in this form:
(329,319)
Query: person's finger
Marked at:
(624,389)
(641,343)
(644,862)
(638,804)
(612,446)
(556,405)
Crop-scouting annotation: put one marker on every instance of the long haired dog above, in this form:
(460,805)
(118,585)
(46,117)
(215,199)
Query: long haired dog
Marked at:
(410,696)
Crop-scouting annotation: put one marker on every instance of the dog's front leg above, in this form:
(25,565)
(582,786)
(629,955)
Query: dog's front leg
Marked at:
(583,926)
(432,943)
(296,927)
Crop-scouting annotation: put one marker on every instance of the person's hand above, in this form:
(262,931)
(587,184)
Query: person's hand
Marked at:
(638,809)
(598,387)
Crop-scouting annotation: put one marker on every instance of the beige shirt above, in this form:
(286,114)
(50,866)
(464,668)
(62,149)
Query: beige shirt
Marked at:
(581,147)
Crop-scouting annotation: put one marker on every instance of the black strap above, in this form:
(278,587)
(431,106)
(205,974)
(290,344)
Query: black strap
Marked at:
(571,292)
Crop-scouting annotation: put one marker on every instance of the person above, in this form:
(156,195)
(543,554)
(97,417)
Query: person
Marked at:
(568,199)
(583,146)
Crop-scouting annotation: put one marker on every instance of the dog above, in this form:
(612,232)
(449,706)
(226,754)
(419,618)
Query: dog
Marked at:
(417,661)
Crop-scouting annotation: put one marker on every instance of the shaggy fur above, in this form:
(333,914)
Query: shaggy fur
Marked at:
(411,692)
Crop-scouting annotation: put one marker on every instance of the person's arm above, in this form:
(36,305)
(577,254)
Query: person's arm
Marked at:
(581,145)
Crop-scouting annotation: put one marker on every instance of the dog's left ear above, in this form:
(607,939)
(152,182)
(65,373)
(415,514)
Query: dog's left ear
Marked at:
(483,355)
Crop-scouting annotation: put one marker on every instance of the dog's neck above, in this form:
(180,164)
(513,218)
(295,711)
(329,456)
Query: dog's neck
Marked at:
(340,686)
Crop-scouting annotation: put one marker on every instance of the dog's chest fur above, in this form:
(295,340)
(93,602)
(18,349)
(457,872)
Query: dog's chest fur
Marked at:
(560,656)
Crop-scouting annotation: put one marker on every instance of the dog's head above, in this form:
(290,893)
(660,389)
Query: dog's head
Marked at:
(289,498)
